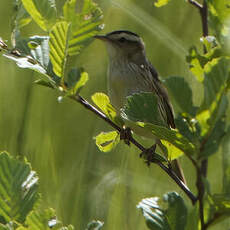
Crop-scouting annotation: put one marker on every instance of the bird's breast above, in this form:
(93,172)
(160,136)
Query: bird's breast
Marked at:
(125,79)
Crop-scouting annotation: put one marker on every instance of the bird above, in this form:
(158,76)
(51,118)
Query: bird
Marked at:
(131,72)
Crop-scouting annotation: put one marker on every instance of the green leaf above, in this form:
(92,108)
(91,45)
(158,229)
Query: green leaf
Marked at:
(9,226)
(177,87)
(219,13)
(176,212)
(161,3)
(197,61)
(43,12)
(214,104)
(188,127)
(220,207)
(69,10)
(214,140)
(172,151)
(18,189)
(85,24)
(27,62)
(168,213)
(107,141)
(171,136)
(226,163)
(102,101)
(76,79)
(58,44)
(37,47)
(33,53)
(216,76)
(44,220)
(95,225)
(22,16)
(44,83)
(142,107)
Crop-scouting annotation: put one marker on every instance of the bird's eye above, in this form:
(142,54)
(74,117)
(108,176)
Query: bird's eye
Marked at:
(122,39)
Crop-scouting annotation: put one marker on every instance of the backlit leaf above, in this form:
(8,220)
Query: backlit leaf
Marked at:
(43,12)
(102,101)
(171,136)
(160,3)
(58,44)
(172,151)
(219,14)
(107,141)
(85,24)
(18,189)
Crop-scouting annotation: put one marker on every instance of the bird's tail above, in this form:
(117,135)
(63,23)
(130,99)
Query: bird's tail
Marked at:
(174,164)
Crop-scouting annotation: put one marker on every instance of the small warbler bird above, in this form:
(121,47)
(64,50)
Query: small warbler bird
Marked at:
(131,72)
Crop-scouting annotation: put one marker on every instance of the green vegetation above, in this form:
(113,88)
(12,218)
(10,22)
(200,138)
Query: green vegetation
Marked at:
(52,126)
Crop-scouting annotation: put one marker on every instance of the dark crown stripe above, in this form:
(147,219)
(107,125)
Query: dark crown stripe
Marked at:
(122,31)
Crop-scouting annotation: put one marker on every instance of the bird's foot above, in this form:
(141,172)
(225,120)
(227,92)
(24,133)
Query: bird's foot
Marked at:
(149,154)
(126,135)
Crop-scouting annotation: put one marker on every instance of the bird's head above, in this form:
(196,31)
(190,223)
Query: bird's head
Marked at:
(123,43)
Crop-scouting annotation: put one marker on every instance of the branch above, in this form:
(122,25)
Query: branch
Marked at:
(202,170)
(168,170)
(196,4)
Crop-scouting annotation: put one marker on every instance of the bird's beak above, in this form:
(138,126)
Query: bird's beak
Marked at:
(101,37)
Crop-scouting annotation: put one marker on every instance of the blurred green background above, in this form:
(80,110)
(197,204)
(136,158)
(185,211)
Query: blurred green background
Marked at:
(76,179)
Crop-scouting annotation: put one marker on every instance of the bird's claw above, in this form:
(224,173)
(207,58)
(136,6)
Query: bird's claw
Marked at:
(148,154)
(126,134)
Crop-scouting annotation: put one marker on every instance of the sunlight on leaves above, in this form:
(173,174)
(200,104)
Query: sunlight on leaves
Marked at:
(217,68)
(27,62)
(196,63)
(214,104)
(219,13)
(213,143)
(81,82)
(107,141)
(172,151)
(172,136)
(19,188)
(43,12)
(102,101)
(58,44)
(84,25)
(161,3)
(75,80)
(167,213)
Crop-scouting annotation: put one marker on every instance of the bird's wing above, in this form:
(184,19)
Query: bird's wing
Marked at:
(165,106)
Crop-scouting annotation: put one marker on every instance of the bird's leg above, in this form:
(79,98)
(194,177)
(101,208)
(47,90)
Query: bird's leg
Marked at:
(148,154)
(126,134)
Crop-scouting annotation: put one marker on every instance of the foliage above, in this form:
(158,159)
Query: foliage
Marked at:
(20,202)
(200,128)
(168,212)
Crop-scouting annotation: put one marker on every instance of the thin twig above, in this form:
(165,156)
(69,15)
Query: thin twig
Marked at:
(168,170)
(202,169)
(196,4)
